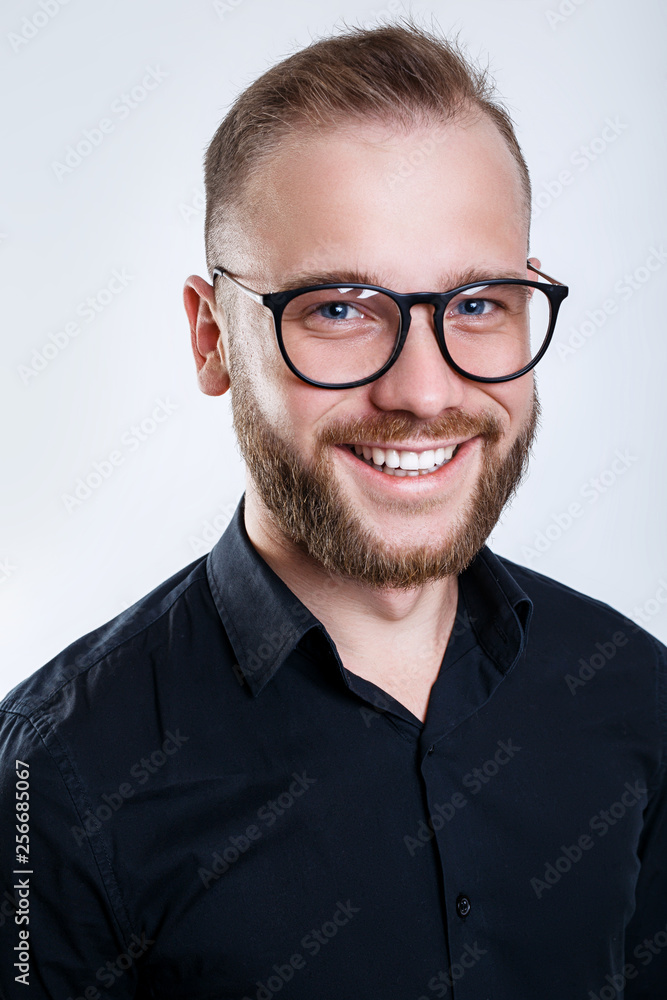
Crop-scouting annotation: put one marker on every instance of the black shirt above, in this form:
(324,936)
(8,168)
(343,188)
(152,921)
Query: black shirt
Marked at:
(218,809)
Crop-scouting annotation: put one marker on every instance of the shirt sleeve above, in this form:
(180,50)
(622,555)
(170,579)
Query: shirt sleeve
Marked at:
(645,971)
(60,934)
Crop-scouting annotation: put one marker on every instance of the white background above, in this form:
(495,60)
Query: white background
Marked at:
(135,205)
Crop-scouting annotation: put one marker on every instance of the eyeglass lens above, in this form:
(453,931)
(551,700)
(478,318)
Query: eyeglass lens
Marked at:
(348,334)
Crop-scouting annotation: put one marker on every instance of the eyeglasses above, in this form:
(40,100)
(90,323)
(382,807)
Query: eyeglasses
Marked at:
(338,336)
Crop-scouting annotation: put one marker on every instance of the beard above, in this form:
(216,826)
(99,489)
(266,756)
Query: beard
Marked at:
(309,508)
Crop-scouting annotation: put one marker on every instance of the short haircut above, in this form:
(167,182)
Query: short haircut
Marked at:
(399,74)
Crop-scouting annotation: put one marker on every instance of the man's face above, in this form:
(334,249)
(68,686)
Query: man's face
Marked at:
(352,205)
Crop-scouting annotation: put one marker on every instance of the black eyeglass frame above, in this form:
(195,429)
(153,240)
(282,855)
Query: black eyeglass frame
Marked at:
(276,302)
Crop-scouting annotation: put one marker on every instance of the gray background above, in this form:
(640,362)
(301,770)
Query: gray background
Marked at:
(134,205)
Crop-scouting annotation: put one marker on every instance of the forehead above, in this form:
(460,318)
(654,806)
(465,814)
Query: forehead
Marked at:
(396,202)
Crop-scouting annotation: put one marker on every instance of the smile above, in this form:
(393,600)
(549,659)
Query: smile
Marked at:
(404,463)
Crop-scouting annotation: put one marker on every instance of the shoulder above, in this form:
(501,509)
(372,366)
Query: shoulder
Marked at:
(563,605)
(113,649)
(586,648)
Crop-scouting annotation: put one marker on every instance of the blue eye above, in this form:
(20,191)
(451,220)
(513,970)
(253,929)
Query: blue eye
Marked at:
(472,307)
(338,310)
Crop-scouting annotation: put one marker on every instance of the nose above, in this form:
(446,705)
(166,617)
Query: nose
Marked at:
(420,380)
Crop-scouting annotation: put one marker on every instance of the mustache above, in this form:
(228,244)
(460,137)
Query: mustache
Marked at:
(394,427)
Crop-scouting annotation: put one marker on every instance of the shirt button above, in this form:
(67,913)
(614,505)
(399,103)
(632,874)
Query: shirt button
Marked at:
(463,906)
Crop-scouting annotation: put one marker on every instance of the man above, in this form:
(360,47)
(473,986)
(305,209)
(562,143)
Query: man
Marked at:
(352,752)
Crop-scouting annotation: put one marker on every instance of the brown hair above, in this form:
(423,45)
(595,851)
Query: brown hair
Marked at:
(398,73)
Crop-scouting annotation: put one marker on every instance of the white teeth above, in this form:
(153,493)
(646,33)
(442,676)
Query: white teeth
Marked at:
(409,459)
(404,463)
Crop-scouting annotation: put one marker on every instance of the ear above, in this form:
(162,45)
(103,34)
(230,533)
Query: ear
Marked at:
(536,262)
(206,336)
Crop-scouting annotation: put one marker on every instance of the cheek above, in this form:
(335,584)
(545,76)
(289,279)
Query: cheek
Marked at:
(511,403)
(294,409)
(288,405)
(303,412)
(256,365)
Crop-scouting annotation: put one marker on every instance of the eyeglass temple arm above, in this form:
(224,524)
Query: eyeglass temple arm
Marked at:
(543,275)
(225,274)
(260,298)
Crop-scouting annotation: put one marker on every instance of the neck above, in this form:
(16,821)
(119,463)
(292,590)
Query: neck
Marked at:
(393,637)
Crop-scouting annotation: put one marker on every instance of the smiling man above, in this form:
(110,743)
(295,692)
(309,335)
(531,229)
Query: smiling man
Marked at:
(392,483)
(352,752)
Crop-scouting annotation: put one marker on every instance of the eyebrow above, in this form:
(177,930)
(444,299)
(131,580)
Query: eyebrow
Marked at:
(474,275)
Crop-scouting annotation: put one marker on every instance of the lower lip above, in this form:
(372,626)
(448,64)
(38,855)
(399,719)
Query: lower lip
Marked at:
(412,484)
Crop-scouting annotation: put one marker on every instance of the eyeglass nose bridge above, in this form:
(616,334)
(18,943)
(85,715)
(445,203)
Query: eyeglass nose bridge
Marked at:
(439,301)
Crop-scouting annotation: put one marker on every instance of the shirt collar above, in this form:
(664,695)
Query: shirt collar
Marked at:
(265,621)
(499,610)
